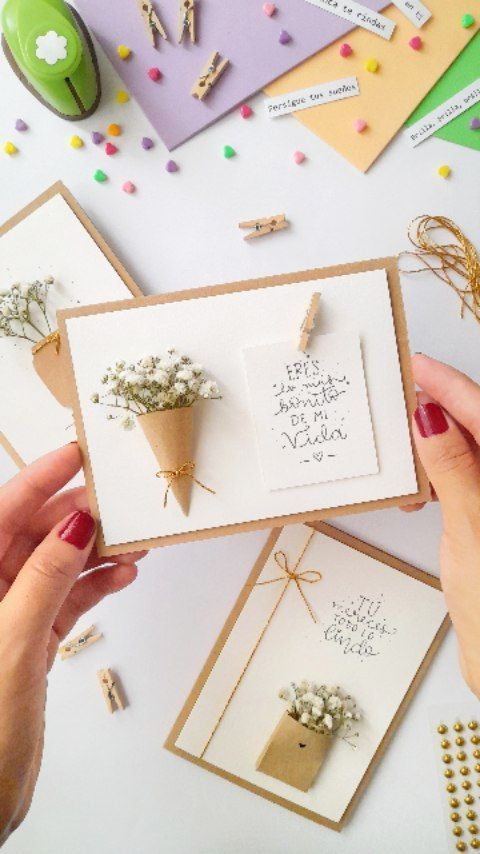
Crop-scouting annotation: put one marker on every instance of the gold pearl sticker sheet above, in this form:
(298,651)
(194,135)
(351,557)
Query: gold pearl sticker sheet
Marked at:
(456,734)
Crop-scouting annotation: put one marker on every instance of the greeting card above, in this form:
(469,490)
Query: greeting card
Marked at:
(315,667)
(197,470)
(51,257)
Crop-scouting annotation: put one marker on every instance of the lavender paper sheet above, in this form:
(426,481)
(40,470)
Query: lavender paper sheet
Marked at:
(238,29)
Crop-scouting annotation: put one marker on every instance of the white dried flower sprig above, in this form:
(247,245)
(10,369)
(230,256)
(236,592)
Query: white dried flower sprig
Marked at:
(23,311)
(323,708)
(154,383)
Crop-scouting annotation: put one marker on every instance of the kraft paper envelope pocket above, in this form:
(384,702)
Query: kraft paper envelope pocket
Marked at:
(288,436)
(388,96)
(313,671)
(51,257)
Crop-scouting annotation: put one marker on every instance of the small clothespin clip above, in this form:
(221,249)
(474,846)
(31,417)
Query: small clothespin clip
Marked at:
(309,322)
(210,74)
(111,693)
(151,20)
(186,20)
(264,226)
(79,642)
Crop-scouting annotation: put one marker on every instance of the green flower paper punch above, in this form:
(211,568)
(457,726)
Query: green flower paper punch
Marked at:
(49,48)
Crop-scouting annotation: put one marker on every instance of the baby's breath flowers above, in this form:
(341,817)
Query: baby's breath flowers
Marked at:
(23,311)
(152,384)
(322,708)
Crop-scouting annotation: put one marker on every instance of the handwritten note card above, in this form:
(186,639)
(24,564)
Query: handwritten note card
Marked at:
(414,10)
(311,411)
(302,99)
(443,114)
(358,15)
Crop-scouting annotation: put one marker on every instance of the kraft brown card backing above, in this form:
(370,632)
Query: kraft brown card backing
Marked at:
(391,268)
(60,189)
(376,554)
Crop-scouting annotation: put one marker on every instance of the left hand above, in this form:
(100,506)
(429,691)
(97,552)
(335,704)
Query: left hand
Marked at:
(46,542)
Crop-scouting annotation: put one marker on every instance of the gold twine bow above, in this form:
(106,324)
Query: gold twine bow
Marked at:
(186,470)
(53,338)
(308,576)
(460,259)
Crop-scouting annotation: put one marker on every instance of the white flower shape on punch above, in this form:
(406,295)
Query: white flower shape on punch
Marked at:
(51,47)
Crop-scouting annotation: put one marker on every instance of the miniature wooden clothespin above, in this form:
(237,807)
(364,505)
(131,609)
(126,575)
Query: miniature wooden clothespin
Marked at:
(186,20)
(309,322)
(151,20)
(79,642)
(264,226)
(110,689)
(211,73)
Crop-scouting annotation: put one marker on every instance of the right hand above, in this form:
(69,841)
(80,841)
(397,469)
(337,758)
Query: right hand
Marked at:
(446,428)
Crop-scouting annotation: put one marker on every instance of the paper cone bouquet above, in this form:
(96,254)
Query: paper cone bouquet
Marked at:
(159,393)
(24,316)
(299,744)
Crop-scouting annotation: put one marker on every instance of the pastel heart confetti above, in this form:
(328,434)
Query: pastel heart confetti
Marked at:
(345,50)
(245,111)
(360,125)
(110,149)
(416,43)
(269,9)
(299,157)
(129,187)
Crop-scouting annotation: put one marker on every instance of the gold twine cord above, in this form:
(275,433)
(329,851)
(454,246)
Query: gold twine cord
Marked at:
(446,260)
(310,576)
(53,338)
(186,470)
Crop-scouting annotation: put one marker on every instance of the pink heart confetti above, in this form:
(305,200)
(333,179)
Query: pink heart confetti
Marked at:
(129,187)
(269,9)
(415,43)
(360,125)
(110,148)
(299,157)
(246,111)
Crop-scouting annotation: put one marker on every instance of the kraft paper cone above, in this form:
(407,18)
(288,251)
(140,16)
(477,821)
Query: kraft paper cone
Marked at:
(294,754)
(52,368)
(170,435)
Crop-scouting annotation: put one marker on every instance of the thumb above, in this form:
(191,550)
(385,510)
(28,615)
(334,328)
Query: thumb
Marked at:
(449,460)
(49,574)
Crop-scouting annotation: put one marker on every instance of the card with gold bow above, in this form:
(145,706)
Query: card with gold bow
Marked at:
(307,683)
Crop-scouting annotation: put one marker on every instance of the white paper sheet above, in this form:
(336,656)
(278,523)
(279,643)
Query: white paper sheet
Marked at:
(358,15)
(311,411)
(214,331)
(374,628)
(50,242)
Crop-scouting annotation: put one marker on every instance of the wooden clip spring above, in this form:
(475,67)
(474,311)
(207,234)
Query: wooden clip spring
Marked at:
(264,226)
(151,20)
(309,322)
(111,692)
(186,20)
(209,76)
(79,642)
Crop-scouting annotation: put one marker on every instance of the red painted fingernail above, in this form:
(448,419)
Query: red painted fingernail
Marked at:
(430,419)
(78,529)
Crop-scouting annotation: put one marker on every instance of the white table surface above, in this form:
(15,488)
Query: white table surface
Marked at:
(106,784)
